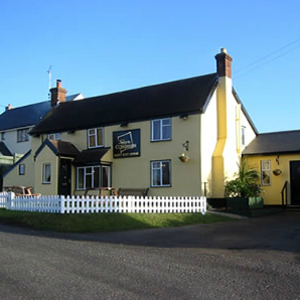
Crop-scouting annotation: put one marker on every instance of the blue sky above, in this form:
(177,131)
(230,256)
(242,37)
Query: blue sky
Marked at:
(99,47)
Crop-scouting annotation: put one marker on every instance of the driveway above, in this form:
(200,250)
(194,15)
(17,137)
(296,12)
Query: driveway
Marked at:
(244,259)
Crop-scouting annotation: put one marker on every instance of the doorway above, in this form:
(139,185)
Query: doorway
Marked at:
(295,182)
(64,184)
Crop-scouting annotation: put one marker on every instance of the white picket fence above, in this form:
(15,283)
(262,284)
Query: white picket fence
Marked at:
(113,204)
(3,199)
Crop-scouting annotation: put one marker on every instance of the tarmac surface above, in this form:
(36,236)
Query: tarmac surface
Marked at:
(243,259)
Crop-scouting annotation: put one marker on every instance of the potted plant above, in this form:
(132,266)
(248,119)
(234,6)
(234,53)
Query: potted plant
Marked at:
(243,191)
(184,157)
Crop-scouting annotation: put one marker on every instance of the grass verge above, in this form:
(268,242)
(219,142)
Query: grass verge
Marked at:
(103,222)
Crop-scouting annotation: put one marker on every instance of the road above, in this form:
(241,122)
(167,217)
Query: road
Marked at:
(245,259)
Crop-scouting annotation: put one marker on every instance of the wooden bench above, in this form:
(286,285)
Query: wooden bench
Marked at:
(133,192)
(111,190)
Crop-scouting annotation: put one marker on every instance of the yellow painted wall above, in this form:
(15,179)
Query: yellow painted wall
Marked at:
(227,151)
(13,177)
(134,172)
(46,156)
(208,143)
(272,193)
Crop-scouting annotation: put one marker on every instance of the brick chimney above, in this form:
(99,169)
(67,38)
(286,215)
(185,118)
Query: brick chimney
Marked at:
(222,156)
(223,63)
(58,94)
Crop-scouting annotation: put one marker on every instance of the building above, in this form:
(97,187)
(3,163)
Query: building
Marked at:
(184,137)
(15,123)
(276,156)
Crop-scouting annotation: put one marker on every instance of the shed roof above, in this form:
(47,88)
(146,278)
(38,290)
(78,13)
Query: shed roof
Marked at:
(156,101)
(90,156)
(274,143)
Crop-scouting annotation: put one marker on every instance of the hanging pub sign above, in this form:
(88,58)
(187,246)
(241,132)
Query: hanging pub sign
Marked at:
(126,143)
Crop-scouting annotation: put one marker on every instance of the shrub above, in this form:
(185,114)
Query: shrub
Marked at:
(245,183)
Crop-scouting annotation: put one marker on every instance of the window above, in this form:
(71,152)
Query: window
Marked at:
(266,172)
(22,135)
(93,177)
(161,130)
(161,173)
(55,136)
(2,136)
(22,169)
(95,137)
(46,173)
(243,135)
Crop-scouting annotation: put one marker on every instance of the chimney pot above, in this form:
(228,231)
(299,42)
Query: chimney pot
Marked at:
(8,107)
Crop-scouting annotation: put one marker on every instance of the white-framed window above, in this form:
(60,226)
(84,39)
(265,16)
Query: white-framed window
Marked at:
(161,129)
(47,173)
(265,172)
(95,137)
(160,173)
(22,135)
(93,177)
(54,136)
(21,169)
(243,135)
(2,136)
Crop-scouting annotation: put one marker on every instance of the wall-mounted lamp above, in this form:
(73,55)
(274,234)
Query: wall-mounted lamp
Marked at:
(277,160)
(183,117)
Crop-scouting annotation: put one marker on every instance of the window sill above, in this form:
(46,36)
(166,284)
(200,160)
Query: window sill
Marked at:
(161,186)
(167,140)
(101,146)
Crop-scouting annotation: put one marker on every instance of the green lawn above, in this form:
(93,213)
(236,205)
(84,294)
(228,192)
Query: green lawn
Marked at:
(103,222)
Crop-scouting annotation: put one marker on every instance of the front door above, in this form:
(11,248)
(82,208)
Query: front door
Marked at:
(64,184)
(295,182)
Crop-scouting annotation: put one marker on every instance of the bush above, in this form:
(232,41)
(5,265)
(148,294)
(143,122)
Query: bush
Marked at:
(245,185)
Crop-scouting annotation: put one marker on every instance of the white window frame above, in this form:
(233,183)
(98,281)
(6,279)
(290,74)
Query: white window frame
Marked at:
(160,168)
(243,135)
(54,136)
(85,173)
(22,135)
(265,170)
(22,169)
(161,127)
(45,165)
(93,132)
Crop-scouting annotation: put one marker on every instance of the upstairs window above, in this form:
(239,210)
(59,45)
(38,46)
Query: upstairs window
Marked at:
(2,136)
(95,137)
(22,135)
(55,136)
(161,130)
